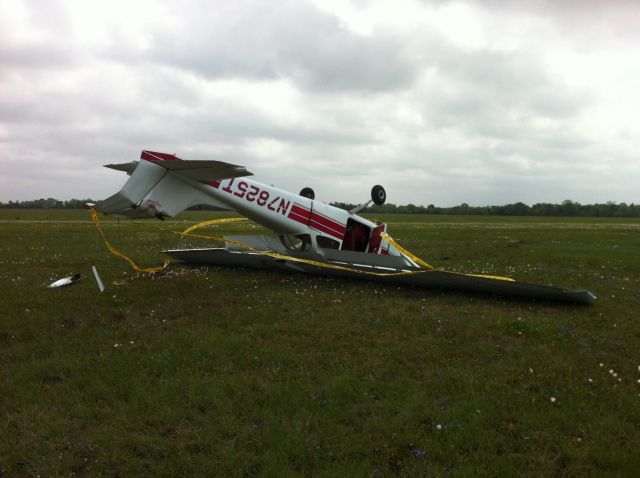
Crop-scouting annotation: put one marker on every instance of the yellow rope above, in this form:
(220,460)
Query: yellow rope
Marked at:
(116,252)
(189,233)
(212,222)
(276,255)
(402,250)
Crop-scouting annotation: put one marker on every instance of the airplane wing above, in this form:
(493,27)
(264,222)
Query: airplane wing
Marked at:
(360,266)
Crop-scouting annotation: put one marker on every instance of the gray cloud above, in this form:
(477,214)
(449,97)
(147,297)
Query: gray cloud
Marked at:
(289,40)
(302,100)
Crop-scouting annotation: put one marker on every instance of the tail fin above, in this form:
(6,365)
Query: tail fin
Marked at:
(163,185)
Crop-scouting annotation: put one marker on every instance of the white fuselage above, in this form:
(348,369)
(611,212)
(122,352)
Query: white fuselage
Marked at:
(281,211)
(161,188)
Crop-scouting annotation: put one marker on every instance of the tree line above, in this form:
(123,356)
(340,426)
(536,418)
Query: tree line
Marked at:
(566,208)
(48,203)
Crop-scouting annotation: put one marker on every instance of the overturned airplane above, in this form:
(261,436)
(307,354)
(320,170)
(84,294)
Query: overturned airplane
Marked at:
(310,236)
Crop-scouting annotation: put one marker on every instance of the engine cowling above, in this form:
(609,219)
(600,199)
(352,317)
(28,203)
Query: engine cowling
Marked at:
(378,195)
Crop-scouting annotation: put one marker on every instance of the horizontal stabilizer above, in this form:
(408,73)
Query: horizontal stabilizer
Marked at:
(128,168)
(202,171)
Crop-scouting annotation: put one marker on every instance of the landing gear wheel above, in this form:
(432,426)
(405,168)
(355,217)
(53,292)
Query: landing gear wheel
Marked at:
(308,193)
(378,195)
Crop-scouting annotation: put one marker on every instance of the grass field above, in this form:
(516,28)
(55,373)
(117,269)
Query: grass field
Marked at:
(220,372)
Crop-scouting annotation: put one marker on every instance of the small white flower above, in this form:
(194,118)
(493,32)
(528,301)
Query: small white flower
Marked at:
(439,427)
(611,371)
(553,399)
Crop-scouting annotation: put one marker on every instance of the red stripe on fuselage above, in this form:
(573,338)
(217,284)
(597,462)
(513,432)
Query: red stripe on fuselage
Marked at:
(328,223)
(297,209)
(299,214)
(317,221)
(326,230)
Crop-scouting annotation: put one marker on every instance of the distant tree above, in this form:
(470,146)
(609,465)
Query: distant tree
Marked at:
(566,208)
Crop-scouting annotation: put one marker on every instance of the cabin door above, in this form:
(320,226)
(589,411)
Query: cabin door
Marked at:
(356,236)
(376,239)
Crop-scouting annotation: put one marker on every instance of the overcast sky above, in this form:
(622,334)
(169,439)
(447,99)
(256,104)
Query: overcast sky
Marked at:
(441,102)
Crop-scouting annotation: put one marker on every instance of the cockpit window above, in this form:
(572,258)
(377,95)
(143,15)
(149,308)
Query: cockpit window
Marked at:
(299,242)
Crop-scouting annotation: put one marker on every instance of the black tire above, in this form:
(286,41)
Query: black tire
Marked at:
(308,193)
(378,195)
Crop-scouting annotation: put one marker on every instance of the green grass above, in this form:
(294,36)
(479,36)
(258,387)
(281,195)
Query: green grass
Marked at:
(214,372)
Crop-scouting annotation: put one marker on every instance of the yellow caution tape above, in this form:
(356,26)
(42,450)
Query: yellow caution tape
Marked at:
(402,250)
(276,255)
(189,233)
(212,222)
(416,259)
(486,276)
(116,252)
